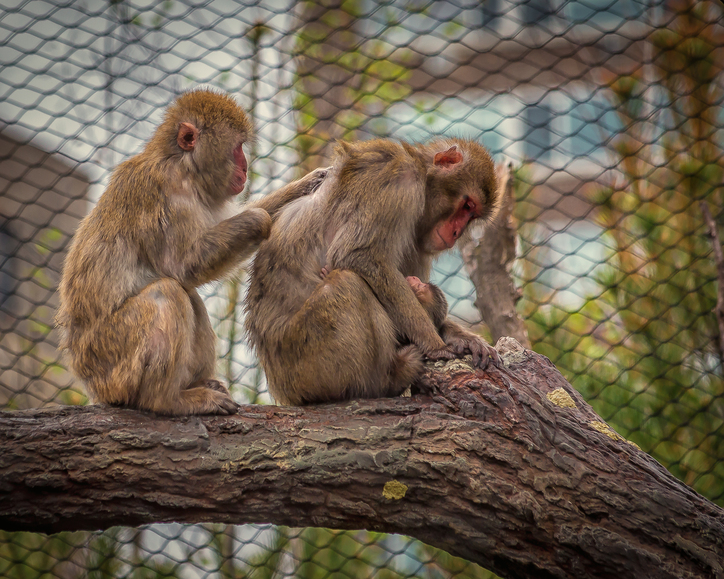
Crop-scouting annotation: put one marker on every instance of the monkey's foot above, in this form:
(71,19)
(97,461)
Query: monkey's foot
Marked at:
(209,397)
(211,385)
(407,366)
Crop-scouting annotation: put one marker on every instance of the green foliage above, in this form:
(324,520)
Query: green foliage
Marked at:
(642,348)
(370,74)
(31,555)
(321,553)
(73,555)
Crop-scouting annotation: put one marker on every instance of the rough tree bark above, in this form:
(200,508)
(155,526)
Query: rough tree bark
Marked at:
(509,468)
(489,260)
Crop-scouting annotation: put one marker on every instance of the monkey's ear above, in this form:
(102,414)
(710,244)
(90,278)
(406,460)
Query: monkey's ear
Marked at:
(187,136)
(448,159)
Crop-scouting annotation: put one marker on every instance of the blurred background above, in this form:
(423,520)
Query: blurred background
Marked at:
(610,112)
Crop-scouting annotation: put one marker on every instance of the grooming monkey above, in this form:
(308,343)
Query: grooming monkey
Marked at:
(383,213)
(133,327)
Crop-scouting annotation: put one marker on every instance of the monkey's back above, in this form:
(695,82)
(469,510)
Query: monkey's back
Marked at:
(286,269)
(100,269)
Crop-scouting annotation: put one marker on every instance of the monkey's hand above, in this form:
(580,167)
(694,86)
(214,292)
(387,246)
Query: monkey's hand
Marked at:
(440,354)
(461,341)
(308,184)
(315,179)
(219,249)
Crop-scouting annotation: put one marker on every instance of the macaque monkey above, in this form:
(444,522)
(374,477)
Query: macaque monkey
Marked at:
(431,298)
(408,364)
(383,212)
(133,327)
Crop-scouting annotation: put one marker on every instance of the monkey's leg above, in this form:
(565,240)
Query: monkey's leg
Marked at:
(203,361)
(168,365)
(338,346)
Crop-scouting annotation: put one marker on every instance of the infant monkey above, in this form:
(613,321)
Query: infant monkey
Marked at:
(131,322)
(409,362)
(431,298)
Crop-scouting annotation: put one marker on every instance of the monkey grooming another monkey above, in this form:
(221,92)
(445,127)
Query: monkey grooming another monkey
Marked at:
(132,325)
(385,210)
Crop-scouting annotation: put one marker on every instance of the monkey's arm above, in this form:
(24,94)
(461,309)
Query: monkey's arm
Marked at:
(273,202)
(399,301)
(200,259)
(462,341)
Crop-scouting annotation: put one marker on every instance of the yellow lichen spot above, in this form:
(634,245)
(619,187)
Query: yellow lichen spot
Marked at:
(605,429)
(561,398)
(394,490)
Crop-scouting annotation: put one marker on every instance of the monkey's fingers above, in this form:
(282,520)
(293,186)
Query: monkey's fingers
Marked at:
(441,354)
(481,351)
(220,401)
(226,405)
(494,356)
(317,177)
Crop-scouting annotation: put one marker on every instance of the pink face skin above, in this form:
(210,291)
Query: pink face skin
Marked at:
(449,231)
(238,179)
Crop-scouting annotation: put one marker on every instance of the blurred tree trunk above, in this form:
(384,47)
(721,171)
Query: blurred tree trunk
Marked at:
(326,77)
(508,468)
(489,262)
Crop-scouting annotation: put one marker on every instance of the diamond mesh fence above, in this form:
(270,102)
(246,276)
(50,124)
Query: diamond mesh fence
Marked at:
(609,111)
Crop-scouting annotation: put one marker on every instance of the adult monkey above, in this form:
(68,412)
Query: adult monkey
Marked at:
(133,327)
(383,213)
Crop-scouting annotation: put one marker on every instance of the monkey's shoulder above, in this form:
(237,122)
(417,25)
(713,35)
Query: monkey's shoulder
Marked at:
(135,187)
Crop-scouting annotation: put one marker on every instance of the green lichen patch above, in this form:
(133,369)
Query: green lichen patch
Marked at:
(561,398)
(394,490)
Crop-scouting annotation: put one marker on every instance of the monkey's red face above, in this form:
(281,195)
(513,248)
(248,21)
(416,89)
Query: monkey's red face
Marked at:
(448,231)
(238,179)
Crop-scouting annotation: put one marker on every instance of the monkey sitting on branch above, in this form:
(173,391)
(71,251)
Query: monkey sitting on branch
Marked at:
(384,211)
(132,325)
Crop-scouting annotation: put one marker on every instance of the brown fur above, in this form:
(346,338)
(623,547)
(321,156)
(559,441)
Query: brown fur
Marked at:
(132,325)
(372,222)
(432,299)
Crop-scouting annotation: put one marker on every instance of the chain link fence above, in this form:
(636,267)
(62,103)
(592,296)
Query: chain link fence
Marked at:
(609,111)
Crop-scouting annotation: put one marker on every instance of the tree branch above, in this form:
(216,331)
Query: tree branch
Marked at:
(509,468)
(719,260)
(489,262)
